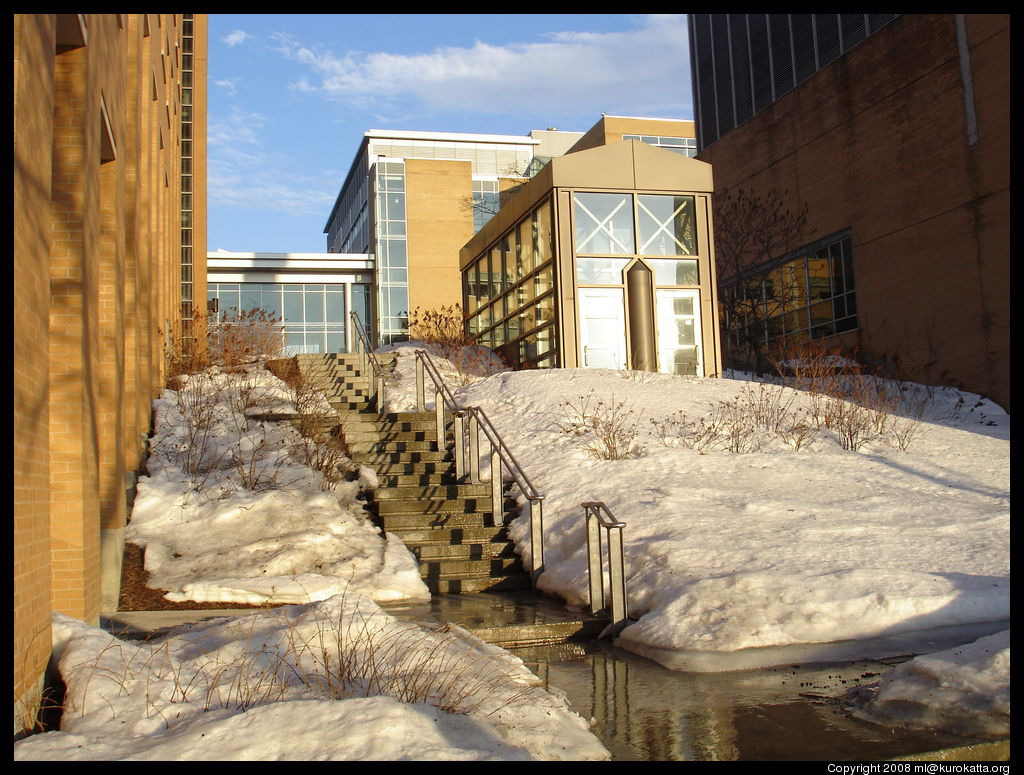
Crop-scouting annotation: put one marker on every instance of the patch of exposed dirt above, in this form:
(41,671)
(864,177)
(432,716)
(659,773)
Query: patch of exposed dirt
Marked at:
(137,595)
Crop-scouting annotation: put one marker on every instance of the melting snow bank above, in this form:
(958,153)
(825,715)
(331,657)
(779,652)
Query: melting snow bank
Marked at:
(231,512)
(965,690)
(912,642)
(339,679)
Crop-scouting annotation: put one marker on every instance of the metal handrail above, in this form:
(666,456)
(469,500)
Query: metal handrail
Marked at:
(468,433)
(365,350)
(598,516)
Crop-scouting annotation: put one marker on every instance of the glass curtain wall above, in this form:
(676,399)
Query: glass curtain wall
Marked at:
(392,253)
(313,315)
(509,295)
(809,296)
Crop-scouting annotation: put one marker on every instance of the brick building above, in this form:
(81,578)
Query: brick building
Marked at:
(109,251)
(894,130)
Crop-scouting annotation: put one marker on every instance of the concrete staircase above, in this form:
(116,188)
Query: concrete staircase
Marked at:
(449,525)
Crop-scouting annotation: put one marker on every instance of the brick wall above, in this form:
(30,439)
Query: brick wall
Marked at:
(877,142)
(97,291)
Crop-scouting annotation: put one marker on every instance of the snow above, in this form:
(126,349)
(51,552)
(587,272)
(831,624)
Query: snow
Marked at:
(230,513)
(302,541)
(965,690)
(738,560)
(335,680)
(796,549)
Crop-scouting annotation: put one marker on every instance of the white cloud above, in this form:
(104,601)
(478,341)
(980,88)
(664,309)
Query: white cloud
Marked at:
(644,71)
(241,173)
(228,84)
(235,37)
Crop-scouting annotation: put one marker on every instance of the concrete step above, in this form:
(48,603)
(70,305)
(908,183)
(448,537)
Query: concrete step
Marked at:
(393,447)
(428,468)
(459,568)
(387,460)
(482,550)
(439,535)
(403,522)
(469,504)
(444,478)
(456,586)
(382,436)
(366,423)
(433,490)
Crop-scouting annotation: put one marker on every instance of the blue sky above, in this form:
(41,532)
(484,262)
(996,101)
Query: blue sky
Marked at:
(291,95)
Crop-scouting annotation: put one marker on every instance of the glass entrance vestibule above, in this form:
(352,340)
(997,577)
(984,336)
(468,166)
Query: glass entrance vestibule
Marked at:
(620,279)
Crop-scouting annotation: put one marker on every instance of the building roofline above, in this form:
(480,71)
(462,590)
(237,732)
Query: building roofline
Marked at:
(404,134)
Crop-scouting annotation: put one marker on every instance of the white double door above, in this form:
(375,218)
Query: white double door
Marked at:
(603,330)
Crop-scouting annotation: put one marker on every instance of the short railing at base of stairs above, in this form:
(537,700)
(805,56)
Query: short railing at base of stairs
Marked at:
(600,518)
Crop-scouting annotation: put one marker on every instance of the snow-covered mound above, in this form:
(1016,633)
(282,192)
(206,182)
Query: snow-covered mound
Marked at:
(336,680)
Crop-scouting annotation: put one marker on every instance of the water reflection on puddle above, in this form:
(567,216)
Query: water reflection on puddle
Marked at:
(643,711)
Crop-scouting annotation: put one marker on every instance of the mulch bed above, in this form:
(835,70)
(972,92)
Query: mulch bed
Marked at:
(137,595)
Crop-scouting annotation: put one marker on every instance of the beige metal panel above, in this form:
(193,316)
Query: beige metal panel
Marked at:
(659,170)
(565,283)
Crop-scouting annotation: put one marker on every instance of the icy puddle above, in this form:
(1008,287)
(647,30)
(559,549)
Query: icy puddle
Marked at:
(644,712)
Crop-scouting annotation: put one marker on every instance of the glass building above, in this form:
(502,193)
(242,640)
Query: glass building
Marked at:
(311,294)
(604,259)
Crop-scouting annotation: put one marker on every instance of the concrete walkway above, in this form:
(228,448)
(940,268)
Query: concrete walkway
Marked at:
(510,619)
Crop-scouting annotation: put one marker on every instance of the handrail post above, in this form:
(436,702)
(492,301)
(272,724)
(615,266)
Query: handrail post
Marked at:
(617,574)
(459,434)
(497,486)
(419,383)
(474,447)
(537,537)
(439,420)
(594,564)
(380,393)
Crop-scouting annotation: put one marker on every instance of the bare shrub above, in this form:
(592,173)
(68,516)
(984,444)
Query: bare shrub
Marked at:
(702,434)
(325,451)
(858,405)
(443,330)
(607,431)
(443,327)
(239,337)
(638,375)
(197,400)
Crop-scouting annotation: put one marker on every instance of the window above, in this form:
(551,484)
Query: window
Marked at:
(809,296)
(685,146)
(604,224)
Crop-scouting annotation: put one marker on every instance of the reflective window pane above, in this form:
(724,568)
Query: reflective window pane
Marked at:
(603,224)
(600,271)
(671,271)
(668,225)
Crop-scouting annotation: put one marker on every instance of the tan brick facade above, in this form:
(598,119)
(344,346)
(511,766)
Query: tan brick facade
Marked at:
(96,297)
(439,225)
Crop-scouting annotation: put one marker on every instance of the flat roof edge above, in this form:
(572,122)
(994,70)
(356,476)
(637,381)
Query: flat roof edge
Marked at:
(406,134)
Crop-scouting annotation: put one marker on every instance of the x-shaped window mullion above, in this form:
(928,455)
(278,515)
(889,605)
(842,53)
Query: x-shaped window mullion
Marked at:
(663,227)
(601,225)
